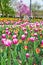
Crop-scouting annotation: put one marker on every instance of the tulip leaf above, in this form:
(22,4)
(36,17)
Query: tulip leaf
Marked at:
(42,62)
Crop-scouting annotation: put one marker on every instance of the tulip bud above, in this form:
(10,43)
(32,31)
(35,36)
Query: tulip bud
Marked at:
(27,55)
(23,37)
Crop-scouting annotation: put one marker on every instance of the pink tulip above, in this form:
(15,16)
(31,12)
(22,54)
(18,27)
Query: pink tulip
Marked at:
(15,41)
(6,42)
(42,42)
(9,33)
(23,37)
(31,26)
(26,33)
(6,31)
(36,38)
(36,30)
(3,39)
(37,24)
(3,35)
(24,29)
(35,34)
(32,39)
(42,23)
(27,55)
(14,36)
(7,22)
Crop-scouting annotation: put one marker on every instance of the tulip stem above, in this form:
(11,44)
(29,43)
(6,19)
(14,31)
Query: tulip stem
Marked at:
(3,57)
(9,56)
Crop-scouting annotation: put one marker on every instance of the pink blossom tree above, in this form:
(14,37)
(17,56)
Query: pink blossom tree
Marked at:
(23,9)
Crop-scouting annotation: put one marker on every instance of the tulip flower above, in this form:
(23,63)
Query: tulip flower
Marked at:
(2,40)
(23,37)
(37,24)
(37,50)
(25,47)
(26,33)
(32,39)
(24,29)
(3,35)
(31,26)
(15,41)
(36,30)
(7,42)
(7,31)
(27,55)
(14,36)
(42,42)
(35,34)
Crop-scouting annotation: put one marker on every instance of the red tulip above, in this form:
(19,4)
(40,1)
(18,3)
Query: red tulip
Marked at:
(25,47)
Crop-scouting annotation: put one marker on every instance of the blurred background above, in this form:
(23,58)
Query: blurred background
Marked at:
(21,8)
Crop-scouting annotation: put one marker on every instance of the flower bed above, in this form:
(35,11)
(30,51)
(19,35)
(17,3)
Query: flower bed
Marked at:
(22,44)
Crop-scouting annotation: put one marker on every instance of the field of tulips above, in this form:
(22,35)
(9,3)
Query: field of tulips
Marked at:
(21,44)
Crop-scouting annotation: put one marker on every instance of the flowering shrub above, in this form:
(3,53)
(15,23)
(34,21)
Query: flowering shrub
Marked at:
(22,44)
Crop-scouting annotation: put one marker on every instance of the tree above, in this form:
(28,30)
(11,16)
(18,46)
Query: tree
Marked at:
(23,9)
(5,7)
(35,7)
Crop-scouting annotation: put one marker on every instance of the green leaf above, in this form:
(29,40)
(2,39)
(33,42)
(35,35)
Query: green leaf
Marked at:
(42,62)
